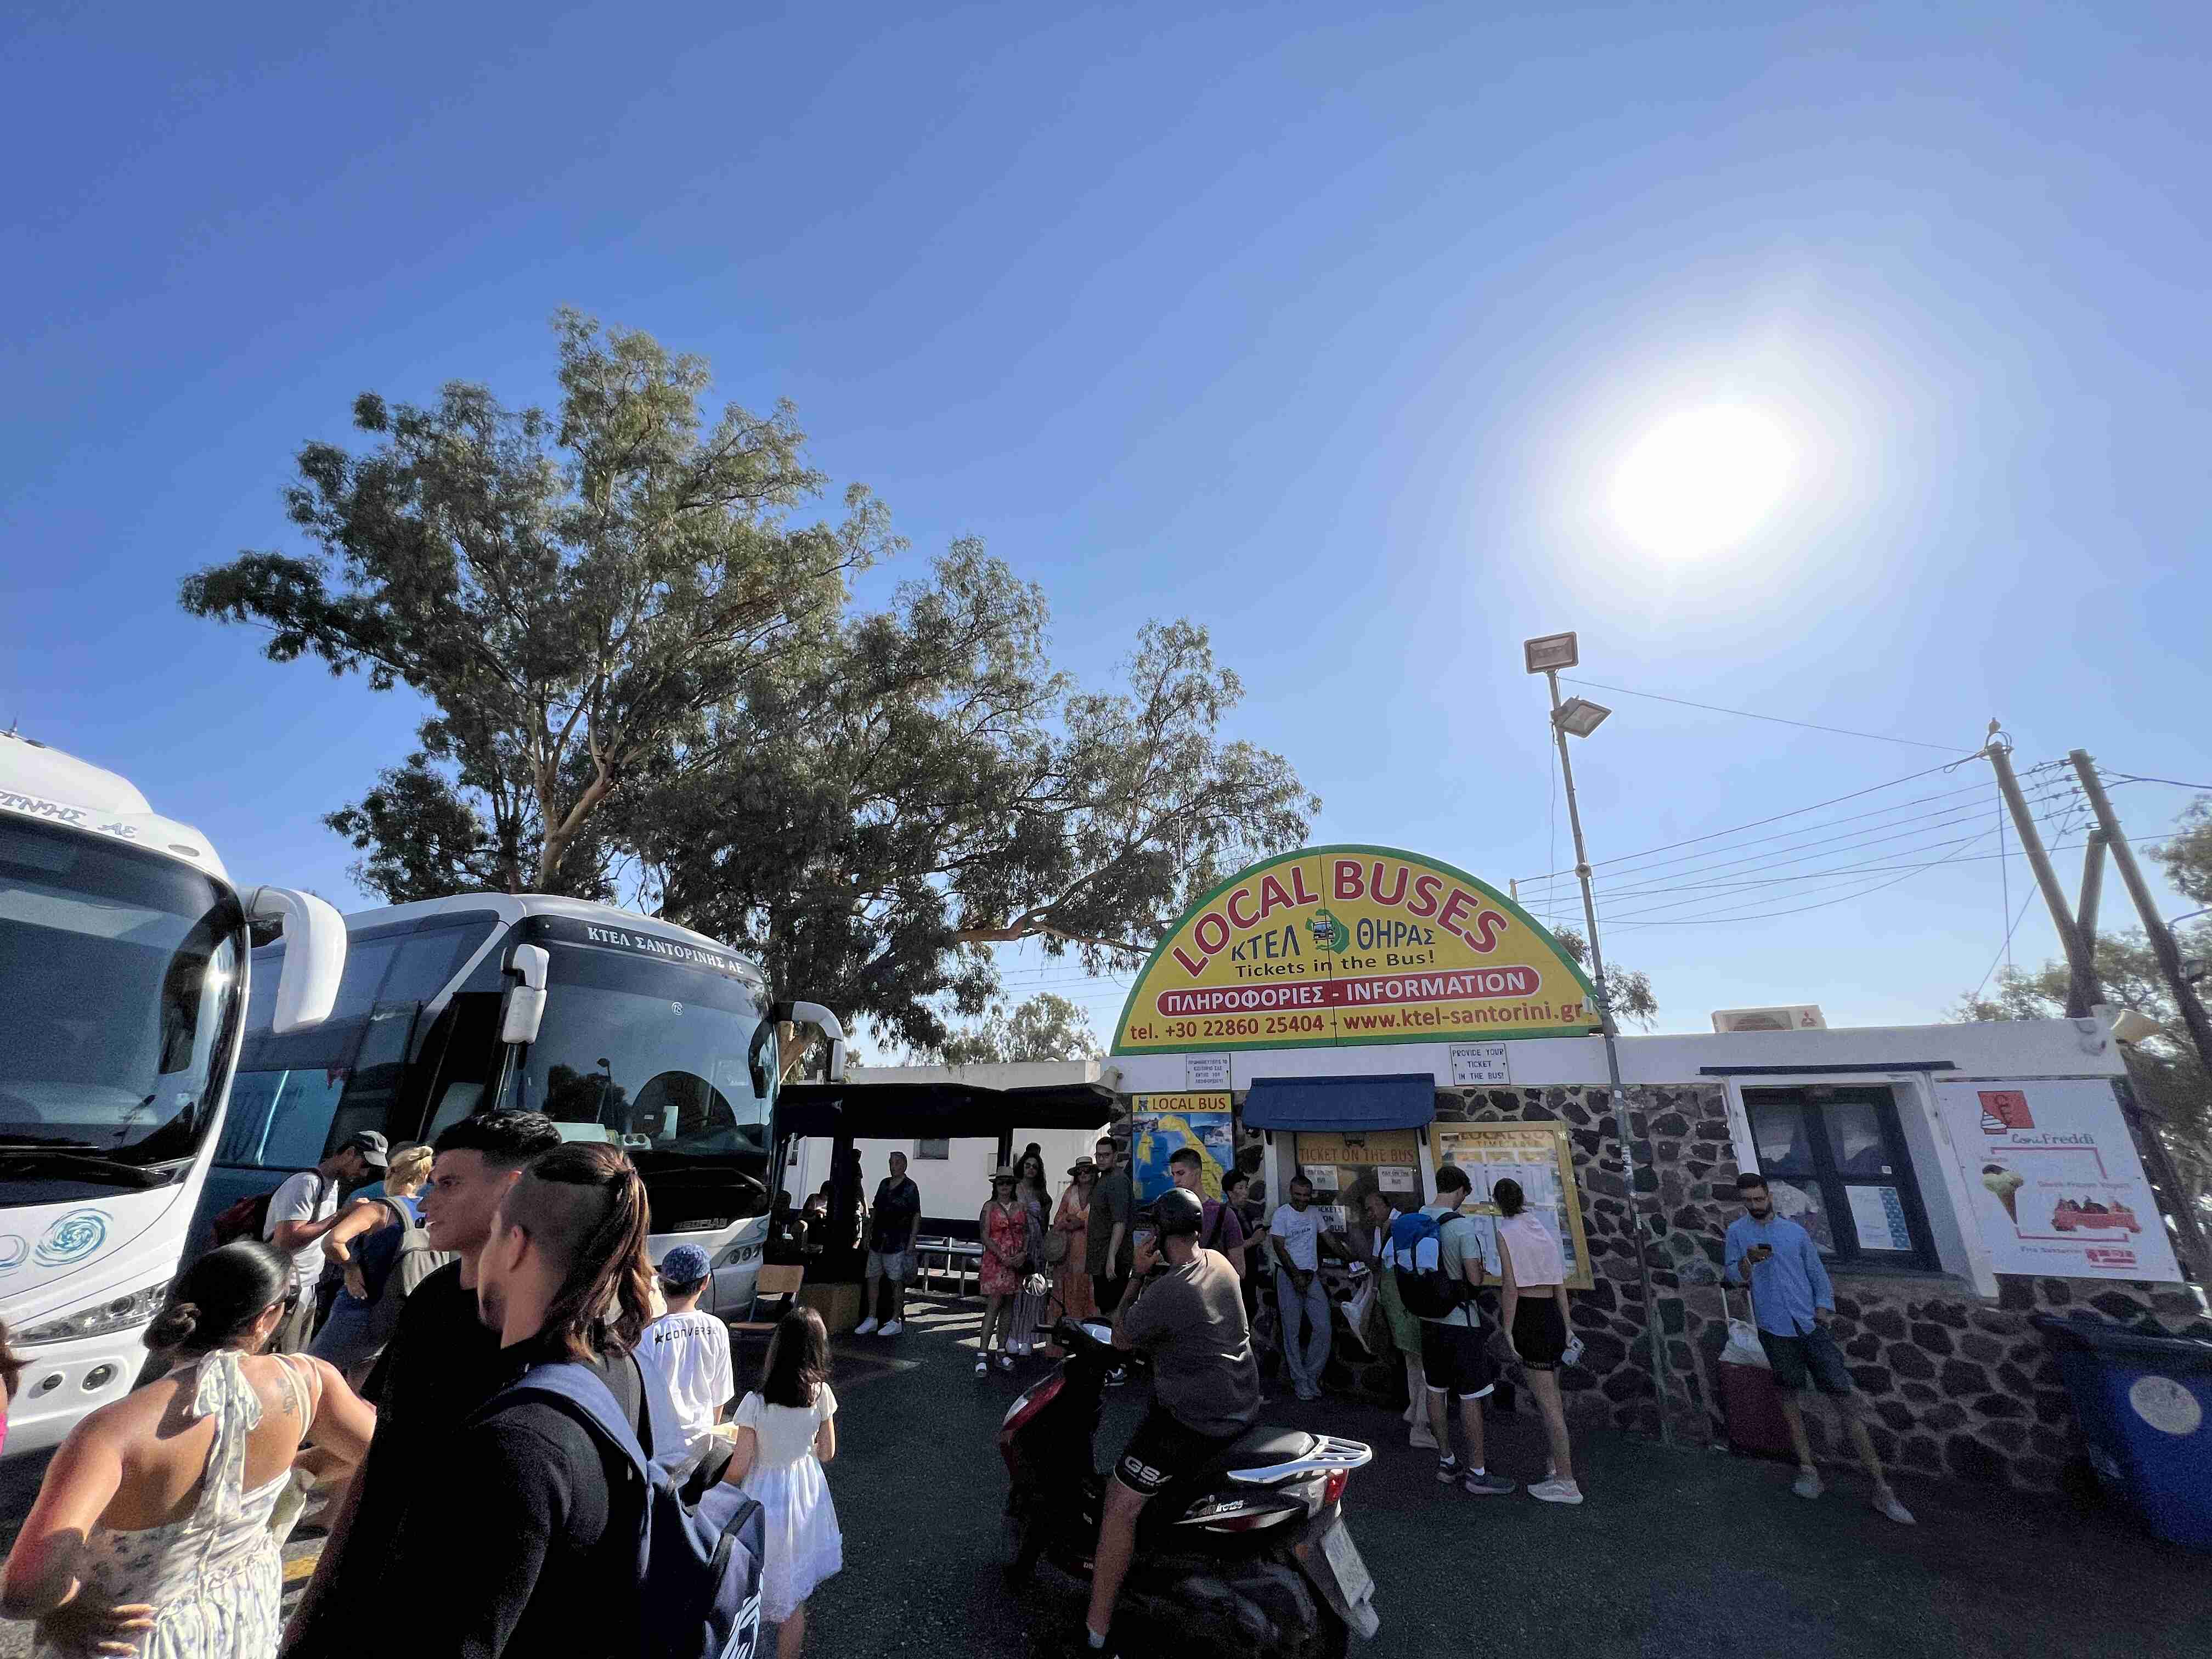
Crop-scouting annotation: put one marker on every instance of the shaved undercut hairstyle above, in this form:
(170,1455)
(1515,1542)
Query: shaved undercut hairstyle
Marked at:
(583,1205)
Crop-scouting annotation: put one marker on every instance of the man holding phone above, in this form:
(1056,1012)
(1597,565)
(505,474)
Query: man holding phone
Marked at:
(1792,1301)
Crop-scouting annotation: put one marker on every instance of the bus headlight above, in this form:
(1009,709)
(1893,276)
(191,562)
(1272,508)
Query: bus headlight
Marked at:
(117,1315)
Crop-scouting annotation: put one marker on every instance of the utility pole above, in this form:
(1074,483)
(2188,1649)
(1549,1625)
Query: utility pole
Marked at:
(2184,996)
(2092,890)
(2082,991)
(1612,1035)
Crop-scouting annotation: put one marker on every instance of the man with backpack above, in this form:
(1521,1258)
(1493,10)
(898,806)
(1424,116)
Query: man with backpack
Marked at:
(1223,1229)
(1439,1258)
(570,1540)
(440,1367)
(303,1209)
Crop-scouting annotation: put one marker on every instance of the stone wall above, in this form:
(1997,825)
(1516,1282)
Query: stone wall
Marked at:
(1958,1384)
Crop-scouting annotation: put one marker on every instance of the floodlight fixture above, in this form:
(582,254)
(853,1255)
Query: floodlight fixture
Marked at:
(1550,652)
(1578,716)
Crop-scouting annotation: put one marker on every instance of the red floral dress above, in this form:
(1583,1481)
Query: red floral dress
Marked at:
(1006,1231)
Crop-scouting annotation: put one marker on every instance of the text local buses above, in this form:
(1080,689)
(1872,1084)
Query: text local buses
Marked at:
(623,1028)
(1455,911)
(123,975)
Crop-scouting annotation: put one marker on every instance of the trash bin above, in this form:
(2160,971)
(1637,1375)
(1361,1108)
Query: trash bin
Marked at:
(2144,1403)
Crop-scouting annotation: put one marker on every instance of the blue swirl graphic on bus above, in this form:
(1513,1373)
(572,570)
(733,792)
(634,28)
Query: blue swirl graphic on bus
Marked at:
(72,1238)
(13,1249)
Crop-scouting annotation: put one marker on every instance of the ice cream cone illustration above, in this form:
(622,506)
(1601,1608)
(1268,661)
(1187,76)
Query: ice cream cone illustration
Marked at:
(2006,1185)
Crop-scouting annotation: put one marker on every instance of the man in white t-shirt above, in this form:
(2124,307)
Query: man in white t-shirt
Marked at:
(301,1212)
(1296,1239)
(690,1350)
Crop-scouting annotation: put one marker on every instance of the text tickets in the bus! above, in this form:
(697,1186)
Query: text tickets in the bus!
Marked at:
(1353,945)
(690,953)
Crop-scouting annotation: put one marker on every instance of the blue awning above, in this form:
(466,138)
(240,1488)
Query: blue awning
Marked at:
(1401,1100)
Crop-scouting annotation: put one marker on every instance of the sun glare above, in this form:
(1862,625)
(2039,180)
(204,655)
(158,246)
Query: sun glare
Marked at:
(1701,480)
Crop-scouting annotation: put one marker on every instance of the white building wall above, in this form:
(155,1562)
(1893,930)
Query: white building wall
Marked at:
(956,1187)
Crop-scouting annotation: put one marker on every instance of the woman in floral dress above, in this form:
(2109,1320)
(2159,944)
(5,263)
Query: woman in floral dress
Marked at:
(1003,1228)
(153,1527)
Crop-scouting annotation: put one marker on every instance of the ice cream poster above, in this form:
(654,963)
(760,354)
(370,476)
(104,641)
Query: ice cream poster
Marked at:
(2054,1180)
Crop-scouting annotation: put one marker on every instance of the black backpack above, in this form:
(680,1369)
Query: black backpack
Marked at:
(699,1586)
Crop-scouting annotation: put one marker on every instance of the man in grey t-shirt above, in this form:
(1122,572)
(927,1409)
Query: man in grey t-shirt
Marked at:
(303,1209)
(1185,1310)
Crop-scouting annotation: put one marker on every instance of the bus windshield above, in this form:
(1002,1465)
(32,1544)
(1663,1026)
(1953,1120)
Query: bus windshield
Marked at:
(653,1056)
(121,970)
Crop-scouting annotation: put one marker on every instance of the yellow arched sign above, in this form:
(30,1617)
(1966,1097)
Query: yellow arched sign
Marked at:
(1353,945)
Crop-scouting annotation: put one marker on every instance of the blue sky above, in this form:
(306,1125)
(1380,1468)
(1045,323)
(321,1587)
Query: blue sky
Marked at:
(1327,332)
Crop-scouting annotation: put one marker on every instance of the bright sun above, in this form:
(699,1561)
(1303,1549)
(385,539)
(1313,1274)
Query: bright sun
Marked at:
(1701,480)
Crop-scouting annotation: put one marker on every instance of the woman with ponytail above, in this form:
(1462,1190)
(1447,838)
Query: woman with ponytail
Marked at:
(542,1557)
(151,1533)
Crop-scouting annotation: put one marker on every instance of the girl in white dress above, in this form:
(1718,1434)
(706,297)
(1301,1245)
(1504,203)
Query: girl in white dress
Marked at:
(152,1532)
(785,1431)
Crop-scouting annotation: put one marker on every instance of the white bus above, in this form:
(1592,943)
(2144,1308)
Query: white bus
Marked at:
(621,1028)
(123,974)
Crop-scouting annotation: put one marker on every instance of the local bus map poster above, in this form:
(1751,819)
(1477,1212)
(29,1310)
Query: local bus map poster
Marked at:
(1539,1157)
(1160,1126)
(2052,1174)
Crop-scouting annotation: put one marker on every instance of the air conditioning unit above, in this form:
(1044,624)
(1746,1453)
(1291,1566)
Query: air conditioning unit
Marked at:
(1804,1017)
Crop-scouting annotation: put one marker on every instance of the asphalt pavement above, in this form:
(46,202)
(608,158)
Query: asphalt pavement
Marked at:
(1673,1552)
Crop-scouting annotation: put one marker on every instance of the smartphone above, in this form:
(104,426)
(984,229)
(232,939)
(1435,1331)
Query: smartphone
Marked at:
(1145,1238)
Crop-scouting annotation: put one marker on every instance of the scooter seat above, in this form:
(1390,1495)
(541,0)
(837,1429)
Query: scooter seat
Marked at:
(1261,1445)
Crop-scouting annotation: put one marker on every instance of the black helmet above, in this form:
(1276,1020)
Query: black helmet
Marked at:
(1176,1211)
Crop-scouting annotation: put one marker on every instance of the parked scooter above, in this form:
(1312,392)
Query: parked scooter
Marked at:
(1248,1557)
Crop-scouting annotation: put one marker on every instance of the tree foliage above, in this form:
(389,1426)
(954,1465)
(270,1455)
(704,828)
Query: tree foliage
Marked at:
(651,687)
(1046,1027)
(1627,990)
(573,595)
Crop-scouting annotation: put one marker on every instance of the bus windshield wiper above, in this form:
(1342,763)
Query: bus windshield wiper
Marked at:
(34,1158)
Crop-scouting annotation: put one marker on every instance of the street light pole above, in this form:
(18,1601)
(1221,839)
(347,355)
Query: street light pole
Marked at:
(1612,1035)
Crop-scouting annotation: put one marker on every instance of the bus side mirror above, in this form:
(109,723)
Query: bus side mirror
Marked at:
(526,998)
(315,956)
(813,1013)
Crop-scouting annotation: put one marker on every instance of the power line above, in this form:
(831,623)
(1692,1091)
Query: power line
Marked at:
(1855,841)
(1715,708)
(1768,916)
(1756,823)
(2122,777)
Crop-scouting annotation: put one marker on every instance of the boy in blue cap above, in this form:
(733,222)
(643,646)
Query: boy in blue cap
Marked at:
(691,1351)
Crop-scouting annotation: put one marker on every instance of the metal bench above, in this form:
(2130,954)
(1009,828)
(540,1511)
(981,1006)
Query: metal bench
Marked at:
(957,1259)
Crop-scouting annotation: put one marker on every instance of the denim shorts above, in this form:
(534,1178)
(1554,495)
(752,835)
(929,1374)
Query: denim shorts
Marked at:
(1813,1357)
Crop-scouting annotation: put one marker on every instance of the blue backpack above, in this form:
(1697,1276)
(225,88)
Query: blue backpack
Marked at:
(699,1586)
(1417,1265)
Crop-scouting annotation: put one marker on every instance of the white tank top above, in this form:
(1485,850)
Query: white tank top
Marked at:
(1536,1260)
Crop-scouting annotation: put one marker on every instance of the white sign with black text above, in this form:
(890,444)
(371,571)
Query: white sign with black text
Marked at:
(1205,1070)
(1480,1063)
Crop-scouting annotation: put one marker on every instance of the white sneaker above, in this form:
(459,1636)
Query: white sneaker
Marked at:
(866,1327)
(1884,1502)
(1556,1492)
(1808,1484)
(982,1365)
(894,1327)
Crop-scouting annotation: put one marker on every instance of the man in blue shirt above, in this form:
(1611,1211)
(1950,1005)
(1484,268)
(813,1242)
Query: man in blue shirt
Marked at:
(1793,1302)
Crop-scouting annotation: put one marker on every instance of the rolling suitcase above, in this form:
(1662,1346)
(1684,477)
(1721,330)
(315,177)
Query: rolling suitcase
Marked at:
(1756,1427)
(1028,1314)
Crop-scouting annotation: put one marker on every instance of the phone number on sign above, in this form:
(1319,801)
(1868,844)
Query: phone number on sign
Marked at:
(1254,1025)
